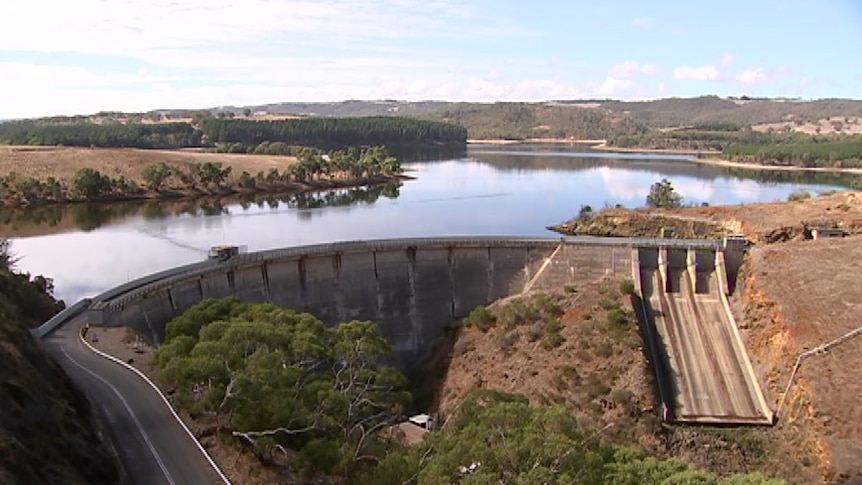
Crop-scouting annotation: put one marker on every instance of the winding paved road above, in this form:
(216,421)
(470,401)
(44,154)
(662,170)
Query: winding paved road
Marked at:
(153,447)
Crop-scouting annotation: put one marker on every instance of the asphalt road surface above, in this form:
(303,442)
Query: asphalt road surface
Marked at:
(152,446)
(710,375)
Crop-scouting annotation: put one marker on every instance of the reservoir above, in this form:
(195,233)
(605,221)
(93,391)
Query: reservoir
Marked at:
(511,190)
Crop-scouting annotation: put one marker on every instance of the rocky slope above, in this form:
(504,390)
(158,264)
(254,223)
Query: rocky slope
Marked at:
(592,362)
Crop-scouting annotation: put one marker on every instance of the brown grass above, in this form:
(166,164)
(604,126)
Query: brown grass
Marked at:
(63,162)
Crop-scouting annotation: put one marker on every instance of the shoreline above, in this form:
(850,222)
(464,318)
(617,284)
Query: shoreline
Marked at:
(561,141)
(673,151)
(774,168)
(180,194)
(696,155)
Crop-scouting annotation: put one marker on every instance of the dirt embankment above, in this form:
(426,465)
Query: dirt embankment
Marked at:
(598,371)
(765,222)
(633,223)
(795,297)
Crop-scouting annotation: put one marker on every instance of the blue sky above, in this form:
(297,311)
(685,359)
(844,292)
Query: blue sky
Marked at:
(84,56)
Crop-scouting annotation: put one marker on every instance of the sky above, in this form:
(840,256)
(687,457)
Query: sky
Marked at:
(79,57)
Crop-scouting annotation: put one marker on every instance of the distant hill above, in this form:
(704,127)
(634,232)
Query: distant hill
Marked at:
(578,119)
(574,119)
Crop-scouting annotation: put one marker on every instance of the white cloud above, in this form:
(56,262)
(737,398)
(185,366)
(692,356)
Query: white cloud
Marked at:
(134,27)
(702,73)
(632,68)
(614,87)
(643,21)
(750,77)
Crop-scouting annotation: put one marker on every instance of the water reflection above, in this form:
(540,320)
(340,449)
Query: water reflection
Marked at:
(49,218)
(490,191)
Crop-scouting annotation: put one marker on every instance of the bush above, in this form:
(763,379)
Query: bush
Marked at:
(91,183)
(535,331)
(618,318)
(552,340)
(627,287)
(799,195)
(609,304)
(481,318)
(604,349)
(549,306)
(506,340)
(622,397)
(518,312)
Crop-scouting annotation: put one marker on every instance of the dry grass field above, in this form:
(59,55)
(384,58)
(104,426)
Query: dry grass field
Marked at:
(62,162)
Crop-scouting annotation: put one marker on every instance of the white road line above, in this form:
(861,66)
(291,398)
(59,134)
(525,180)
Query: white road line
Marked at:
(129,409)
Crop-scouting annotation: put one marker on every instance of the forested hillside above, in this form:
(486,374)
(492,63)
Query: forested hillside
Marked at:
(306,132)
(333,132)
(46,133)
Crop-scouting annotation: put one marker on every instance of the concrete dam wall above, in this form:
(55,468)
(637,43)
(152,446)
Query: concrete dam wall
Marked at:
(414,288)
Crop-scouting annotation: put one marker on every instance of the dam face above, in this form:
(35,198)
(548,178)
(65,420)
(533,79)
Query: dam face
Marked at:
(413,288)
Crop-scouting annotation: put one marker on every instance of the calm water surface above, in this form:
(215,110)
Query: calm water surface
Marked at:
(508,190)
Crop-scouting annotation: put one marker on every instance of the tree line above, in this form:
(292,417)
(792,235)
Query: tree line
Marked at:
(333,132)
(275,135)
(837,153)
(116,135)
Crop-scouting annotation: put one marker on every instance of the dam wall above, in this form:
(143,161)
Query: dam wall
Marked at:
(414,288)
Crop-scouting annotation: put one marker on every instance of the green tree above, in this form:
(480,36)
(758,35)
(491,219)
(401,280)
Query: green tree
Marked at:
(7,258)
(663,195)
(274,377)
(155,175)
(90,183)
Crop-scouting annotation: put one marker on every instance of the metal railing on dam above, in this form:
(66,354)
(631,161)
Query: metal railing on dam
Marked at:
(414,288)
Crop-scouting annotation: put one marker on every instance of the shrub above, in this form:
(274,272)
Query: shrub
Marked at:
(91,183)
(627,287)
(594,387)
(518,312)
(609,304)
(481,318)
(552,340)
(570,289)
(506,340)
(549,306)
(604,349)
(570,373)
(622,397)
(535,331)
(799,195)
(553,326)
(618,318)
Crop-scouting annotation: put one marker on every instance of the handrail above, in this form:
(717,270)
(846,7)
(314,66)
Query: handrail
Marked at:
(822,349)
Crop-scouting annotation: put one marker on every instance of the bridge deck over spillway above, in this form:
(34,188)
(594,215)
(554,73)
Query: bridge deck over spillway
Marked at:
(704,371)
